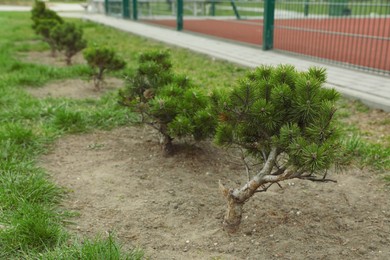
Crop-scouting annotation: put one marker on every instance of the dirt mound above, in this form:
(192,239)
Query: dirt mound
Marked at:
(70,88)
(75,88)
(45,57)
(171,207)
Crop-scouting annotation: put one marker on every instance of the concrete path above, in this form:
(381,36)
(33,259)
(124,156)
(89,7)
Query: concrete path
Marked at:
(58,7)
(373,90)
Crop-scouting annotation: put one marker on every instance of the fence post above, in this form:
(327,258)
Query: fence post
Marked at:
(306,8)
(125,9)
(212,8)
(135,9)
(268,27)
(179,18)
(106,6)
(235,9)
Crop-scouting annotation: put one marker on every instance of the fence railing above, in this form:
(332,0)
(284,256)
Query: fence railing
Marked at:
(114,7)
(153,9)
(352,33)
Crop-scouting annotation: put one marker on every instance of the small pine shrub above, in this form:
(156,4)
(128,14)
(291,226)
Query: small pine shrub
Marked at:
(44,28)
(170,103)
(102,59)
(284,120)
(39,12)
(68,38)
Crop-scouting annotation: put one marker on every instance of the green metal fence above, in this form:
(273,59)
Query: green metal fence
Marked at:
(347,32)
(154,9)
(352,33)
(114,7)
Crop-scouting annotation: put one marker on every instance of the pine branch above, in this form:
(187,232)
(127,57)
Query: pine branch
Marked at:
(265,188)
(312,178)
(279,171)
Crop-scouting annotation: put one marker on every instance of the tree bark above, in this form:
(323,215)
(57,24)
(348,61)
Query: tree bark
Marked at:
(68,60)
(98,78)
(53,52)
(233,216)
(236,198)
(166,140)
(167,145)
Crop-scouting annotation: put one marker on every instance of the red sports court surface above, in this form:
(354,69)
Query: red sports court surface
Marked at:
(358,41)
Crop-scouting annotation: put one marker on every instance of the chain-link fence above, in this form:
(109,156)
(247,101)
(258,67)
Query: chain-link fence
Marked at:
(352,33)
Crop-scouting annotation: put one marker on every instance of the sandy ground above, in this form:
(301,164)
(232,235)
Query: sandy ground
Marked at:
(120,182)
(71,88)
(75,88)
(45,57)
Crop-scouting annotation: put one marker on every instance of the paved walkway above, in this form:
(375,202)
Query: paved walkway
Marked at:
(373,90)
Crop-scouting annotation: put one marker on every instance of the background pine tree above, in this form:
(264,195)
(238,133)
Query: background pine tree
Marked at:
(170,103)
(68,38)
(102,59)
(44,20)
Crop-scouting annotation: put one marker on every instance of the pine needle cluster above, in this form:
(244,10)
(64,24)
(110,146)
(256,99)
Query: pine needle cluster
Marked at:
(39,12)
(60,35)
(284,109)
(170,103)
(68,38)
(44,20)
(102,59)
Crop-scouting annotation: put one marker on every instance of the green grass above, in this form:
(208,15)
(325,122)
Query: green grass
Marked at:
(361,150)
(31,222)
(366,154)
(98,248)
(31,2)
(325,8)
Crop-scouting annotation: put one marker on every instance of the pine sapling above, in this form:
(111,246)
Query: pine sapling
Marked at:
(44,20)
(102,59)
(40,12)
(284,121)
(171,104)
(68,38)
(44,28)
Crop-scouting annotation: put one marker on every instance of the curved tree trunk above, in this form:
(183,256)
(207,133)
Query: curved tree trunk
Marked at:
(98,78)
(232,219)
(236,198)
(167,145)
(68,60)
(53,52)
(166,140)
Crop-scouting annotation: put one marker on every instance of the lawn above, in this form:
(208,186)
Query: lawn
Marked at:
(32,223)
(31,2)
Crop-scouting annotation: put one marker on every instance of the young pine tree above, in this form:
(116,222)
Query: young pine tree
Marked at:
(44,28)
(40,12)
(284,120)
(102,59)
(69,38)
(44,20)
(170,103)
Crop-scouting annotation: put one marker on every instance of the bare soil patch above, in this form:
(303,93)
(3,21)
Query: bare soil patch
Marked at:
(75,88)
(44,57)
(171,207)
(70,88)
